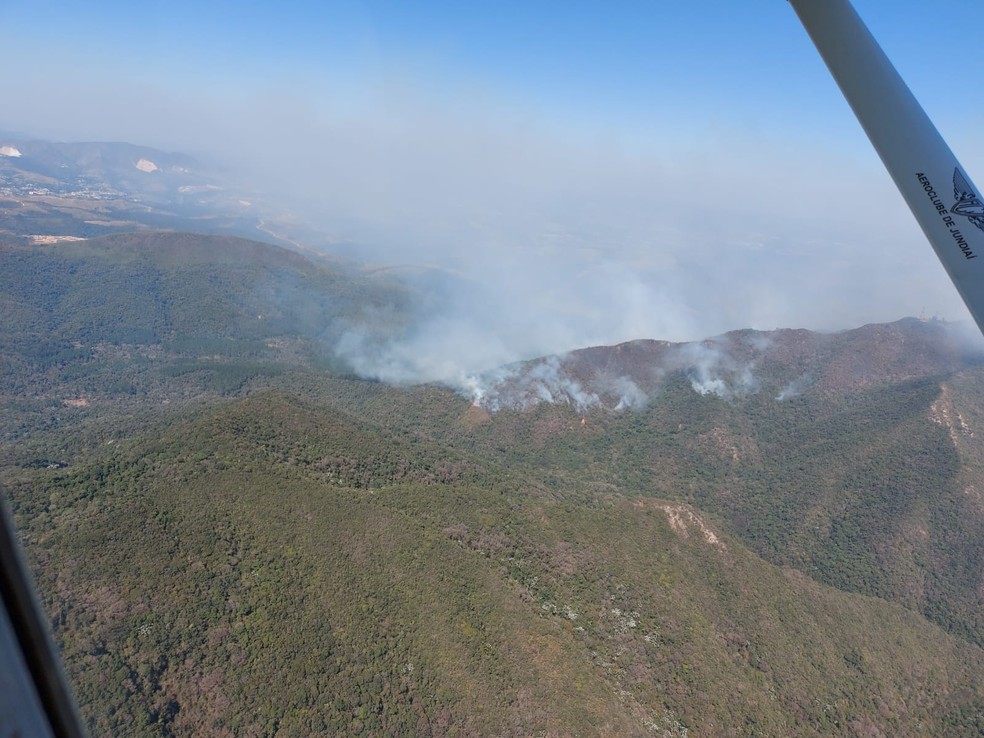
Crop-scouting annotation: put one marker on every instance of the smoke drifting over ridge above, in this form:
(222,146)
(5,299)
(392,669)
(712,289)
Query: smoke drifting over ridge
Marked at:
(709,368)
(546,239)
(622,377)
(740,366)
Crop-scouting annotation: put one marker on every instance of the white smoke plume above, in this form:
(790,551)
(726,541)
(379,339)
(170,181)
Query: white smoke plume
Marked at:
(709,367)
(440,346)
(630,396)
(795,388)
(545,382)
(713,371)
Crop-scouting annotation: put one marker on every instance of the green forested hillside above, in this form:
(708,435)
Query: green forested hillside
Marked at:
(273,567)
(864,492)
(782,534)
(208,298)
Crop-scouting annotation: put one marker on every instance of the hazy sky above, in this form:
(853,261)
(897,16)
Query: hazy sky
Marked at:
(601,171)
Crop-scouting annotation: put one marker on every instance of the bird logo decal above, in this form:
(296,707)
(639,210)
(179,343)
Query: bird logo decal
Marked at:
(968,203)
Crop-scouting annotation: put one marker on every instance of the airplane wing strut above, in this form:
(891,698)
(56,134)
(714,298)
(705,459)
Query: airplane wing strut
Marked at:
(935,186)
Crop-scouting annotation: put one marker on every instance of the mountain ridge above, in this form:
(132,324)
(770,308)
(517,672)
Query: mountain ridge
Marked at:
(705,559)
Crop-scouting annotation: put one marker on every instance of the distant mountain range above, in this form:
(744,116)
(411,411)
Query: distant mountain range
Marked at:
(57,190)
(763,533)
(116,167)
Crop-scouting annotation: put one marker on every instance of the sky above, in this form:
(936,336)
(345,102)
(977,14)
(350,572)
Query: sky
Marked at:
(587,172)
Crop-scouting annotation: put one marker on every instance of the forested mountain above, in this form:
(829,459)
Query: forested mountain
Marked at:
(772,533)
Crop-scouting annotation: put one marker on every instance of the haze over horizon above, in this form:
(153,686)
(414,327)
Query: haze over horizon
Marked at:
(671,171)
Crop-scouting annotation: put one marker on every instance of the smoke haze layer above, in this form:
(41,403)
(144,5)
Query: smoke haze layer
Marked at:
(540,231)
